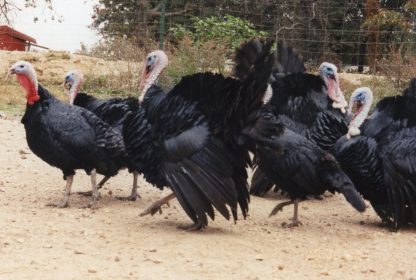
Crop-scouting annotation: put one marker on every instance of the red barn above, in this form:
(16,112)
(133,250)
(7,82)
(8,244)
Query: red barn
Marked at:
(13,40)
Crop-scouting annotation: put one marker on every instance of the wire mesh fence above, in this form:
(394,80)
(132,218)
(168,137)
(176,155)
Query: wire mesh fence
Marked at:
(358,35)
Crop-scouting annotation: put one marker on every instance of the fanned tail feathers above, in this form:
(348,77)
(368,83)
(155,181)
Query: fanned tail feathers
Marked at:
(289,61)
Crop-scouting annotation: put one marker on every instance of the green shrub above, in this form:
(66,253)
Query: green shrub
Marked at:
(229,31)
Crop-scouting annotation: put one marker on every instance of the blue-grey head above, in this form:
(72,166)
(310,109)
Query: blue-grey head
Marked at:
(72,84)
(361,99)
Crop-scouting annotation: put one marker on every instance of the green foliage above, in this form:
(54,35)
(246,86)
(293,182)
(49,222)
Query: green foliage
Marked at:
(230,31)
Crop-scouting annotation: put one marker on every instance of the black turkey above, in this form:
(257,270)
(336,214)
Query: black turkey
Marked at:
(196,138)
(380,156)
(66,136)
(113,111)
(310,105)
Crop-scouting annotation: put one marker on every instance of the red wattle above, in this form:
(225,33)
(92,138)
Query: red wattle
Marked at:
(31,93)
(31,99)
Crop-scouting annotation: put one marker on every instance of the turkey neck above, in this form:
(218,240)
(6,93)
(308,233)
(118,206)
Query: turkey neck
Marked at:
(30,87)
(361,115)
(152,80)
(73,92)
(335,94)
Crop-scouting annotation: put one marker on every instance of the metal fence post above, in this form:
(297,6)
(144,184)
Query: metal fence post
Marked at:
(162,24)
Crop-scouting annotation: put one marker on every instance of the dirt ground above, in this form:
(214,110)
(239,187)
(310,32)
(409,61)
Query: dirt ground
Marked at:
(114,242)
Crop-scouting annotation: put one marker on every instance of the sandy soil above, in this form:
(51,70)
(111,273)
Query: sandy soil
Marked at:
(113,242)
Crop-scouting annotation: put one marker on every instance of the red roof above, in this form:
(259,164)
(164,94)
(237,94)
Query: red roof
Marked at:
(4,29)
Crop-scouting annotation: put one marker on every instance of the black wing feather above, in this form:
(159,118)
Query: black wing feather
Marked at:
(301,168)
(113,111)
(399,163)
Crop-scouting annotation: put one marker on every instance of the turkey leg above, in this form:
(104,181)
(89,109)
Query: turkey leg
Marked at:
(279,207)
(134,195)
(94,189)
(156,206)
(67,193)
(100,185)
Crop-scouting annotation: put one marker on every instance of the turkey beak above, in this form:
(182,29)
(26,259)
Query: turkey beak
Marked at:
(146,73)
(148,69)
(67,84)
(10,72)
(332,77)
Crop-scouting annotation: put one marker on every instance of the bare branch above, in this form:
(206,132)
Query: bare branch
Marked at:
(6,6)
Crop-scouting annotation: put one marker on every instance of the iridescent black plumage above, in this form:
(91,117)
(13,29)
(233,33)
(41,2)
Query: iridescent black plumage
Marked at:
(300,168)
(71,138)
(300,102)
(194,139)
(359,158)
(382,162)
(113,111)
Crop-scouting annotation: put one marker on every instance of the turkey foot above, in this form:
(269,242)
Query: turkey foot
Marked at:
(88,193)
(156,206)
(193,227)
(134,194)
(100,185)
(64,203)
(292,224)
(61,204)
(295,221)
(94,190)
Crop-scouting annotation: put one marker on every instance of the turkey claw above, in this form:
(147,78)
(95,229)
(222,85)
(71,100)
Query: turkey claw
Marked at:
(153,209)
(60,204)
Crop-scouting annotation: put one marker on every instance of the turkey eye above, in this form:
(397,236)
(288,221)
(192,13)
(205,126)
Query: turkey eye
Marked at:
(21,66)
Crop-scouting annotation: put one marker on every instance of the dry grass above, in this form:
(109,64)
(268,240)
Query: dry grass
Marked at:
(103,77)
(398,68)
(115,72)
(185,58)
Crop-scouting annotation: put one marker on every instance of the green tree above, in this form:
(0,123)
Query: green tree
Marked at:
(136,19)
(230,31)
(389,31)
(320,29)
